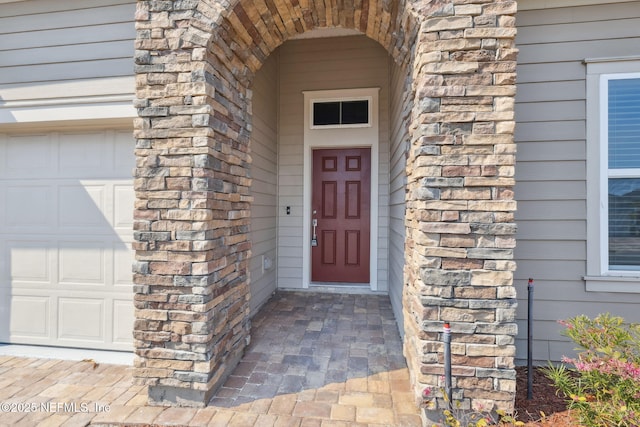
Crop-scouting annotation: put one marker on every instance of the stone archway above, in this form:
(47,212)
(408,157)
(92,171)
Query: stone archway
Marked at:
(195,61)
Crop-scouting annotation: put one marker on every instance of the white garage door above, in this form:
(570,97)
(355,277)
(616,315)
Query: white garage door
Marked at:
(66,206)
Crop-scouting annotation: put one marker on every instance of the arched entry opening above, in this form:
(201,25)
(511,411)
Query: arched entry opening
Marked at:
(322,72)
(199,134)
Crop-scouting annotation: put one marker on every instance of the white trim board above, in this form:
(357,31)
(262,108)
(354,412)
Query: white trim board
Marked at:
(103,98)
(337,138)
(58,113)
(64,353)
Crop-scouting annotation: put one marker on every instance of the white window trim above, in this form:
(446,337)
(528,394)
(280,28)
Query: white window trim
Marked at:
(336,138)
(599,277)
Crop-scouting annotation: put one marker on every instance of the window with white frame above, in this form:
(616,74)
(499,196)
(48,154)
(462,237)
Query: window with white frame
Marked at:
(621,160)
(613,165)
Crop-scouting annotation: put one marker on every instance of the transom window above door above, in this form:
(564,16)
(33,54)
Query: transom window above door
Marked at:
(341,113)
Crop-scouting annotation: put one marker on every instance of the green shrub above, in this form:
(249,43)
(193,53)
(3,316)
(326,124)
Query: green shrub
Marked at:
(603,387)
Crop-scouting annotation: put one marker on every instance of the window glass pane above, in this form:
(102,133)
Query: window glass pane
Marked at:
(355,112)
(624,124)
(326,113)
(624,223)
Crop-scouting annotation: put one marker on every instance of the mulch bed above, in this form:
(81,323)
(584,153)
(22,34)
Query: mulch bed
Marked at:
(546,408)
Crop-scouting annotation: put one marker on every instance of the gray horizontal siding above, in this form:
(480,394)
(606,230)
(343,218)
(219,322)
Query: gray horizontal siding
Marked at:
(551,167)
(397,186)
(552,170)
(43,41)
(580,32)
(264,154)
(549,72)
(577,51)
(577,15)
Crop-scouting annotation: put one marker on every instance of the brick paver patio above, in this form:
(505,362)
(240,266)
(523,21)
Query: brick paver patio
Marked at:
(314,360)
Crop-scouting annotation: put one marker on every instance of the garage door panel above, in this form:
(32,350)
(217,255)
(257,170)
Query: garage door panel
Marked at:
(28,206)
(27,157)
(29,316)
(81,319)
(122,261)
(81,263)
(124,197)
(82,206)
(124,162)
(28,261)
(5,270)
(5,318)
(122,321)
(83,154)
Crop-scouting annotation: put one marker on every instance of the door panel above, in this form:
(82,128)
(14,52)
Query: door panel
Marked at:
(341,202)
(352,199)
(328,247)
(329,199)
(352,247)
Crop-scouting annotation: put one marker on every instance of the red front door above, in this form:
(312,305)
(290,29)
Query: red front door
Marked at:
(341,211)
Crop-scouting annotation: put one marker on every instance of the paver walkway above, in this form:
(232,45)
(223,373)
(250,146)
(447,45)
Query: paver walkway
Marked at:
(314,360)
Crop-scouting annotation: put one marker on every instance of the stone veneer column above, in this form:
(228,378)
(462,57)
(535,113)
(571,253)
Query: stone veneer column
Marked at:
(191,212)
(194,62)
(460,207)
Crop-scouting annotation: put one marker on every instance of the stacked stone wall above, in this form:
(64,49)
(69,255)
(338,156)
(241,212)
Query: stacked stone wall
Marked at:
(459,219)
(192,211)
(195,61)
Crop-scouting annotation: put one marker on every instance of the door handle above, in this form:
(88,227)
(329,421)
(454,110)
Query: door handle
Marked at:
(314,238)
